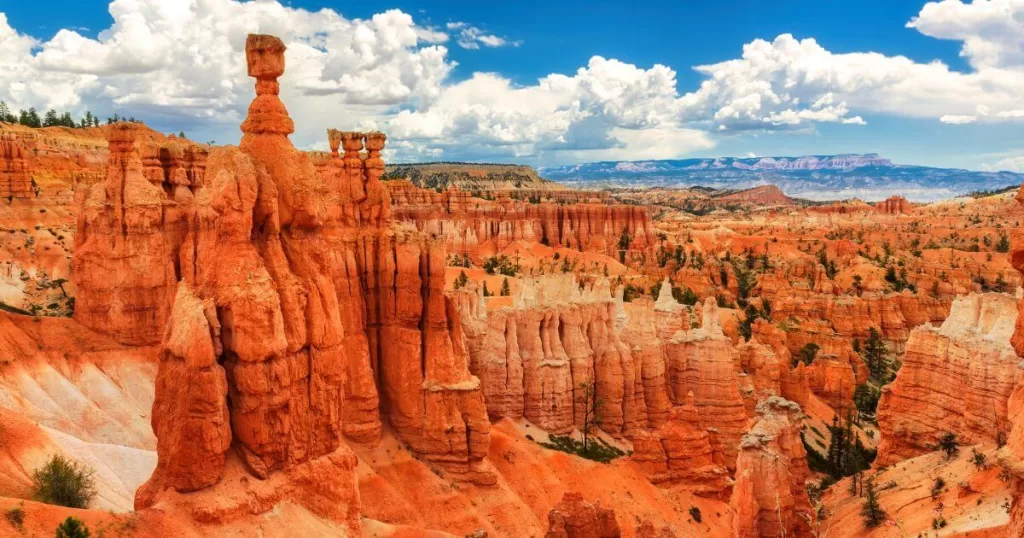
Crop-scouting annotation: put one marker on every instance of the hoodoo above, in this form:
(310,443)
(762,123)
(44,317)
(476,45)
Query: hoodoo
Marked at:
(285,297)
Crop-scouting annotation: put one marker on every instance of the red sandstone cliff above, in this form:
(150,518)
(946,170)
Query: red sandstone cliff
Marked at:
(957,378)
(481,228)
(297,308)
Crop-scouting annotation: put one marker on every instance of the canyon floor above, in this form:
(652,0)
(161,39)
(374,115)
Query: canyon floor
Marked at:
(263,341)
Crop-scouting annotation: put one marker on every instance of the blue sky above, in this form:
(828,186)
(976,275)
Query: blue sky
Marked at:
(451,114)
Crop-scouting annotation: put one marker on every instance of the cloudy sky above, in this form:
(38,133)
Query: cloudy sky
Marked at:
(547,83)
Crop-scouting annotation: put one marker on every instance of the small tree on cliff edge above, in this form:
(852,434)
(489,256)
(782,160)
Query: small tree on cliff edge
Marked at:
(872,511)
(591,411)
(506,290)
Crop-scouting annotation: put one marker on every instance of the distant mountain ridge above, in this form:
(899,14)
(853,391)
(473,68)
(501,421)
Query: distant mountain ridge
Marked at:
(817,177)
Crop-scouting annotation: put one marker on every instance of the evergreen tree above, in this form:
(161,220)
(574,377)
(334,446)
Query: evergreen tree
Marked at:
(29,118)
(66,120)
(462,280)
(5,113)
(33,118)
(506,290)
(949,444)
(874,355)
(51,118)
(487,293)
(873,513)
(72,528)
(591,411)
(1004,243)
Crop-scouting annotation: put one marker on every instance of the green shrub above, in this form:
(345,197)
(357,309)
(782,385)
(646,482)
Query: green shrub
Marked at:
(72,528)
(695,514)
(949,444)
(596,450)
(15,516)
(64,482)
(938,487)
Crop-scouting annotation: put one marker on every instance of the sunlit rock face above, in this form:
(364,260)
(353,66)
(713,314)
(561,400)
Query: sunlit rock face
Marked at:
(769,498)
(955,378)
(292,314)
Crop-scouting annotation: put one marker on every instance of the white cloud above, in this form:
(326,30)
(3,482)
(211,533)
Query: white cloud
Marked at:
(185,59)
(957,120)
(471,37)
(1009,164)
(772,82)
(608,107)
(992,31)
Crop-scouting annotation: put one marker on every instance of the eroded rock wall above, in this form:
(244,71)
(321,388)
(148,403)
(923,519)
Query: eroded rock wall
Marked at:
(301,316)
(480,228)
(769,499)
(955,378)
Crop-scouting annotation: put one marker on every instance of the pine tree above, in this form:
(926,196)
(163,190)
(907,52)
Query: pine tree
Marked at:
(66,120)
(874,354)
(872,511)
(1004,243)
(72,528)
(506,290)
(51,118)
(33,118)
(591,404)
(461,281)
(5,113)
(487,293)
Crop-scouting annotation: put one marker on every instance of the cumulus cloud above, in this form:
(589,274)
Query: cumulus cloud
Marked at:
(471,37)
(183,59)
(783,82)
(992,31)
(606,107)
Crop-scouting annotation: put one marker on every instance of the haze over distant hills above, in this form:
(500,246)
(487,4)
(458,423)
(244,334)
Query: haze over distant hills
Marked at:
(817,177)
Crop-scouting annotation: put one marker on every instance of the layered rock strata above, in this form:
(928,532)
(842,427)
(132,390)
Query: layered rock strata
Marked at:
(769,498)
(574,517)
(481,228)
(300,315)
(955,378)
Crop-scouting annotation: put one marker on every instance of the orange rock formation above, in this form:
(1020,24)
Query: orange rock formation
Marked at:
(285,298)
(770,499)
(576,518)
(481,228)
(957,378)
